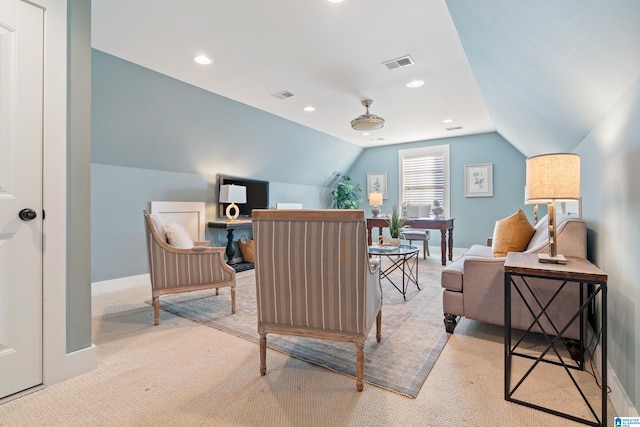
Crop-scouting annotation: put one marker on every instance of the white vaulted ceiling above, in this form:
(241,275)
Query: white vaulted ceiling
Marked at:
(540,73)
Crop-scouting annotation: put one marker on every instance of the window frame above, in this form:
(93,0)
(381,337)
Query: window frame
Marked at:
(427,151)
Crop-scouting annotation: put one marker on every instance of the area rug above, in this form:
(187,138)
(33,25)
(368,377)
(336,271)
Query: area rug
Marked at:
(413,334)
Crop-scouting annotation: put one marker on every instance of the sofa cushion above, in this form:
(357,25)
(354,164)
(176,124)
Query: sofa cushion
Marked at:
(177,236)
(451,277)
(511,234)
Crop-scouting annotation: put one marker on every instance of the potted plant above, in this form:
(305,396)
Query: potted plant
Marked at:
(345,195)
(395,226)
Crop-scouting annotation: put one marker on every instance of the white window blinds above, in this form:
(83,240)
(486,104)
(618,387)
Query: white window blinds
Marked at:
(425,176)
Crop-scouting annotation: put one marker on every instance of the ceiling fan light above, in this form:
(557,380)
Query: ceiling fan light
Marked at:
(367,122)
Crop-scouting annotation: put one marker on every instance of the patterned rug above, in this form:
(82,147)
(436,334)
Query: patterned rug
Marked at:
(413,333)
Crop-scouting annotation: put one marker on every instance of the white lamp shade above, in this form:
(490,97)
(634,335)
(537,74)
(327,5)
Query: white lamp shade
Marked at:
(233,194)
(375,199)
(552,177)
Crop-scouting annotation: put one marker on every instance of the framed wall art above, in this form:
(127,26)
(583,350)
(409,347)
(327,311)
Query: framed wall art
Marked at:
(478,180)
(377,183)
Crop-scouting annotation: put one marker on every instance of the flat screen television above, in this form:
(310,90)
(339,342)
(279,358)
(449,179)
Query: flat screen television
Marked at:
(257,195)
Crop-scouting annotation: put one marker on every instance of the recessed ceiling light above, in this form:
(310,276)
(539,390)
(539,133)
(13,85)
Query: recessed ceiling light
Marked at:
(366,134)
(309,108)
(448,121)
(335,1)
(203,59)
(415,83)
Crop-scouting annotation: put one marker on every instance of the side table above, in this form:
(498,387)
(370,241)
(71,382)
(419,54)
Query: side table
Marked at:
(230,250)
(403,258)
(576,272)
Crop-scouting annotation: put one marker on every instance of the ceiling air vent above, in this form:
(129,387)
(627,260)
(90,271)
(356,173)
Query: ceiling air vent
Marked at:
(283,95)
(405,61)
(454,128)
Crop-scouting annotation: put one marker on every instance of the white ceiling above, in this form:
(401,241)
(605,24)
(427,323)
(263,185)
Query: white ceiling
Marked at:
(542,74)
(328,55)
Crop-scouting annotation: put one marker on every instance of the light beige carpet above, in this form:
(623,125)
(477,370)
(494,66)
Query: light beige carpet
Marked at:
(413,334)
(183,373)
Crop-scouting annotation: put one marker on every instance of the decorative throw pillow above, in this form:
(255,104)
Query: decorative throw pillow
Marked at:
(511,234)
(177,236)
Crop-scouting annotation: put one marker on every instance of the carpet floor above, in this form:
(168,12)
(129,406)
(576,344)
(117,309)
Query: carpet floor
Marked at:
(413,334)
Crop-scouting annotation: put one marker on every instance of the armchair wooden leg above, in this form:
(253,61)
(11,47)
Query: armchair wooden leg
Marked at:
(359,363)
(233,300)
(379,326)
(156,310)
(263,354)
(217,291)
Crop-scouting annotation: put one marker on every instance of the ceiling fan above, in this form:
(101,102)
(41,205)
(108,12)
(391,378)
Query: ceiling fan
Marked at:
(367,122)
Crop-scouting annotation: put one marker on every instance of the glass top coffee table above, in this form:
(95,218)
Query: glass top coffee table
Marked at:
(403,258)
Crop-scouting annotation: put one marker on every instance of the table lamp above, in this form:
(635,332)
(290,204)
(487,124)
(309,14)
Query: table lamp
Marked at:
(375,200)
(551,178)
(233,194)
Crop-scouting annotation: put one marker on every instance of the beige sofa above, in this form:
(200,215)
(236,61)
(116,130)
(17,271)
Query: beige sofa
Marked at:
(474,283)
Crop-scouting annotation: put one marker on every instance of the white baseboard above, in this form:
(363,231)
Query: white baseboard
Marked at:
(81,361)
(119,284)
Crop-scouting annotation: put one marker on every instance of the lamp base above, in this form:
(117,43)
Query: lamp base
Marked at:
(548,259)
(375,211)
(232,212)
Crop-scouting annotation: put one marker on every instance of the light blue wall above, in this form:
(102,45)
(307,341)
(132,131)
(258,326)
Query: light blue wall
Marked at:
(78,297)
(610,182)
(144,119)
(156,138)
(474,216)
(121,194)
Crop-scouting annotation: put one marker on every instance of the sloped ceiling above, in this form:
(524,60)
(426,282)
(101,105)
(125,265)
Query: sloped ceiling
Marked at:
(541,73)
(328,55)
(549,70)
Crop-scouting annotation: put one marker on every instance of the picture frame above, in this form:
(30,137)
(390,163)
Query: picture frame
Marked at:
(571,208)
(478,180)
(377,183)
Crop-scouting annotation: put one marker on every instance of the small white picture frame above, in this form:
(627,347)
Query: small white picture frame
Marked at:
(478,180)
(377,183)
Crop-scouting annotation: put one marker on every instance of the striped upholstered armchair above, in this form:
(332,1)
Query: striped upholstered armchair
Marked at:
(314,278)
(193,268)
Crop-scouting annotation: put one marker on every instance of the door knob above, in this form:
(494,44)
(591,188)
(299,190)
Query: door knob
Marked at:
(27,214)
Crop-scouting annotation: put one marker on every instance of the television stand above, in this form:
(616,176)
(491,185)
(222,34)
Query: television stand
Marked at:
(230,250)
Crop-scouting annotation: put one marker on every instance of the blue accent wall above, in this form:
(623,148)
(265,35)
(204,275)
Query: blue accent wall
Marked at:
(611,207)
(144,119)
(474,216)
(156,138)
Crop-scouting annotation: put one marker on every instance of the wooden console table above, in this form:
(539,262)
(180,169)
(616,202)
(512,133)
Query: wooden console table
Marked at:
(520,266)
(230,250)
(443,225)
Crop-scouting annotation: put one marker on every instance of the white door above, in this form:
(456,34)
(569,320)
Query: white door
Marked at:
(21,242)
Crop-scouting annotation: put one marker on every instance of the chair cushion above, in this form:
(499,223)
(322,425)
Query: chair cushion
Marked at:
(177,236)
(415,234)
(512,234)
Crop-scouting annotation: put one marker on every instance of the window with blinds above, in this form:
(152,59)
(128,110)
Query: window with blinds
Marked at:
(424,176)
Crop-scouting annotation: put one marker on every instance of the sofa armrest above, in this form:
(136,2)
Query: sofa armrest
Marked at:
(483,285)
